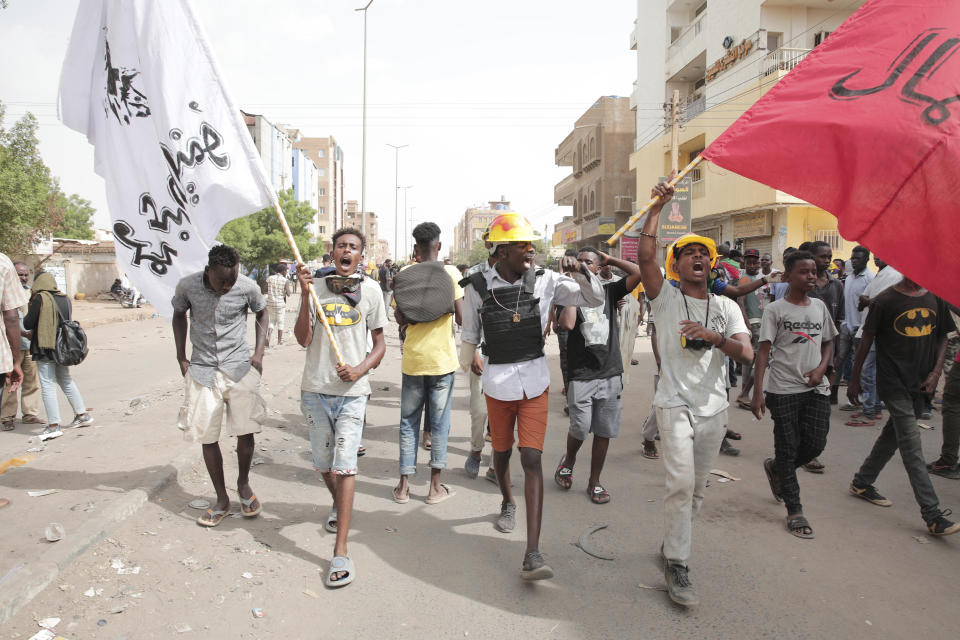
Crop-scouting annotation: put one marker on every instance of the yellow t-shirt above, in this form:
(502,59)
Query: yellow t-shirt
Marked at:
(430,348)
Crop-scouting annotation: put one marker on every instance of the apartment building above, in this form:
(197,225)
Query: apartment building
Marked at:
(353,218)
(722,56)
(474,222)
(600,188)
(327,154)
(275,148)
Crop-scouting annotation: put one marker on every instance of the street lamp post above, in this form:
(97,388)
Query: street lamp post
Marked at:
(396,191)
(406,231)
(363,127)
(410,218)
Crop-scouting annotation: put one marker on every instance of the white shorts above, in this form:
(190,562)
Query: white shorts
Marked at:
(203,407)
(276,317)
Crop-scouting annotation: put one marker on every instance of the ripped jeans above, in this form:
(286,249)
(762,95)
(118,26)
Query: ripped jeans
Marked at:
(432,396)
(336,428)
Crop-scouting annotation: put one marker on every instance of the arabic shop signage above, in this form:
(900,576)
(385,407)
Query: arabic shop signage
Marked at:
(571,235)
(675,219)
(734,55)
(751,225)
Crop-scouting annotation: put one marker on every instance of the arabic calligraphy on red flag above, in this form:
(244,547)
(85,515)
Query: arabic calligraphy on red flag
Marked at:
(866,127)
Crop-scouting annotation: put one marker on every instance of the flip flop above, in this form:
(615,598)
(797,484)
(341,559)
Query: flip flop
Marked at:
(860,422)
(212,518)
(563,476)
(814,466)
(331,525)
(733,435)
(31,420)
(245,507)
(337,565)
(598,495)
(404,499)
(772,479)
(7,426)
(447,493)
(746,406)
(795,525)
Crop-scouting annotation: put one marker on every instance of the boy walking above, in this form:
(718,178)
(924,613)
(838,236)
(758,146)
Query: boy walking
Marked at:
(221,378)
(277,301)
(595,372)
(333,397)
(800,331)
(910,326)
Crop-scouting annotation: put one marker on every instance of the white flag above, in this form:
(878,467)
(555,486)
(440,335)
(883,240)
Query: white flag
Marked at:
(140,81)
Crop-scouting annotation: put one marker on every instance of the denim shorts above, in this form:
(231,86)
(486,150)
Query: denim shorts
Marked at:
(336,428)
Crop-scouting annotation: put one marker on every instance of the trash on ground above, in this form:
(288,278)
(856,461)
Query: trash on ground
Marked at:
(48,623)
(922,539)
(646,586)
(54,532)
(586,547)
(312,594)
(199,503)
(390,530)
(119,609)
(651,499)
(101,622)
(183,628)
(247,575)
(188,561)
(257,461)
(923,425)
(35,449)
(723,479)
(46,634)
(257,612)
(723,474)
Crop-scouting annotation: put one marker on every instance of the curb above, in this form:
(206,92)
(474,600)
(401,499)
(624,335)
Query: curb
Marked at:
(24,582)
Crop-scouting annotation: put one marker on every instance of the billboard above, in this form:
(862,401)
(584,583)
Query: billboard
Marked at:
(675,218)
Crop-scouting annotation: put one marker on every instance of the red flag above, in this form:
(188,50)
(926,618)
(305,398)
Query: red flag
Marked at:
(866,127)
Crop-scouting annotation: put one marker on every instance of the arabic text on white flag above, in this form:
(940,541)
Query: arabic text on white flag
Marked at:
(140,81)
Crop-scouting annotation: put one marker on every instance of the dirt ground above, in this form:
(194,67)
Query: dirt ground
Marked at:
(443,571)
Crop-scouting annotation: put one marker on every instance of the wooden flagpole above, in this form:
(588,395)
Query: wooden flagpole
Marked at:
(313,293)
(639,214)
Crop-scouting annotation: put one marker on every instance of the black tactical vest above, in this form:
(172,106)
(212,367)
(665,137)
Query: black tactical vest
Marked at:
(508,336)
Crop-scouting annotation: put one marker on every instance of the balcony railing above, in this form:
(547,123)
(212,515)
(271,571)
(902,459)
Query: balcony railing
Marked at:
(688,34)
(694,105)
(698,187)
(782,60)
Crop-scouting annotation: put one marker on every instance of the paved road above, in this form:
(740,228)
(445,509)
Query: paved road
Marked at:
(444,571)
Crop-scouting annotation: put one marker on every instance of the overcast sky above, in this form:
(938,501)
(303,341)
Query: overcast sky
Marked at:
(482,92)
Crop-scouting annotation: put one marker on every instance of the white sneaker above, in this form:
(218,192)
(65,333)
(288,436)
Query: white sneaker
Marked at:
(49,433)
(81,420)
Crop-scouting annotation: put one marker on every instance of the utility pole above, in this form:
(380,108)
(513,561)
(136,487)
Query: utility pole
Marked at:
(363,128)
(396,192)
(404,219)
(674,131)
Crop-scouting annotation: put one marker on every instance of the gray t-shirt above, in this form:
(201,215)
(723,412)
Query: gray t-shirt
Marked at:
(751,302)
(218,326)
(350,326)
(688,377)
(795,335)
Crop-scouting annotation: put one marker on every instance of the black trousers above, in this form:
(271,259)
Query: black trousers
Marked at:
(800,425)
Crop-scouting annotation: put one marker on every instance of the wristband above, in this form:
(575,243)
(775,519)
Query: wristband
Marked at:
(649,235)
(764,278)
(723,341)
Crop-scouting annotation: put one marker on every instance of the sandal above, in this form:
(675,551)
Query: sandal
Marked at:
(212,518)
(814,466)
(447,493)
(772,479)
(798,526)
(7,425)
(563,475)
(860,422)
(331,525)
(31,419)
(340,564)
(650,450)
(598,495)
(400,499)
(733,435)
(247,508)
(746,406)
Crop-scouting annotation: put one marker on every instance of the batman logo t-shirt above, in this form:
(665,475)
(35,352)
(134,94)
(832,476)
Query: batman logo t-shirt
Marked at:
(907,330)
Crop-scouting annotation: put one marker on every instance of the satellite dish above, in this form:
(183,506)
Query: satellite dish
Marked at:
(728,42)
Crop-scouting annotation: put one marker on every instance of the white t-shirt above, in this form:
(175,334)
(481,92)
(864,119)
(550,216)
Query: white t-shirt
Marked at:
(795,334)
(689,377)
(885,278)
(350,326)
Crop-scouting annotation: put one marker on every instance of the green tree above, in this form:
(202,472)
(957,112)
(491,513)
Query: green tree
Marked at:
(74,217)
(27,191)
(259,238)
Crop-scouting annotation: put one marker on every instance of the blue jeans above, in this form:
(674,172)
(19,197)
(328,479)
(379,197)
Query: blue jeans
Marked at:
(435,394)
(901,433)
(868,378)
(336,428)
(53,375)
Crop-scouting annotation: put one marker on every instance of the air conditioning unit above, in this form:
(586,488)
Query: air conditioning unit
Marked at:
(819,37)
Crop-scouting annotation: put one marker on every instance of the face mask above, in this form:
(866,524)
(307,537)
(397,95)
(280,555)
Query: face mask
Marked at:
(346,286)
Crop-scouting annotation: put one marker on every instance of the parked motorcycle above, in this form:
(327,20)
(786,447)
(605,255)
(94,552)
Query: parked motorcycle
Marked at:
(128,298)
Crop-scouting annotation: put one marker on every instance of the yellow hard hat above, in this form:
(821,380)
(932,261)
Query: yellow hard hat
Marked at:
(679,243)
(510,227)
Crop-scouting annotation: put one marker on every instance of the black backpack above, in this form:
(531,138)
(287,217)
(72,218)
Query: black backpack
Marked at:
(71,344)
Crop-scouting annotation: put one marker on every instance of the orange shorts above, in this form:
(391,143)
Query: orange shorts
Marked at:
(530,416)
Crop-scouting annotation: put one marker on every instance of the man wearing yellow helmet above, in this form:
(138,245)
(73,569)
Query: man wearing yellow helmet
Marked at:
(696,331)
(510,306)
